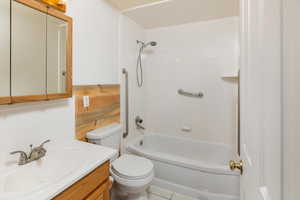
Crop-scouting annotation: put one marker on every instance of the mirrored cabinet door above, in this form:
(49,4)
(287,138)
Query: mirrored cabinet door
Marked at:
(28,66)
(4,49)
(57,30)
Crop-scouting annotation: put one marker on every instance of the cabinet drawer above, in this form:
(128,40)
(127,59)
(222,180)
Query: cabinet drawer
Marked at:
(86,185)
(99,193)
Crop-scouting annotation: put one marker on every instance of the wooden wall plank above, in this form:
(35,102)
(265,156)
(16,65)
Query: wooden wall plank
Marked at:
(104,107)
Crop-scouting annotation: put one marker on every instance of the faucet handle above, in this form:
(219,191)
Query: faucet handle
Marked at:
(45,143)
(20,152)
(23,157)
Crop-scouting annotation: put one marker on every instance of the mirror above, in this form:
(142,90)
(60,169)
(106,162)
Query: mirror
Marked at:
(28,63)
(5,48)
(35,52)
(57,30)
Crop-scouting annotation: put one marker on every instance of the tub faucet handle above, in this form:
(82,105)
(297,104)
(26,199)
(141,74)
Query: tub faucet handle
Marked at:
(138,123)
(138,120)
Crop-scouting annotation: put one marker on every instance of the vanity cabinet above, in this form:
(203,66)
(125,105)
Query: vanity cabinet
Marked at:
(92,187)
(35,53)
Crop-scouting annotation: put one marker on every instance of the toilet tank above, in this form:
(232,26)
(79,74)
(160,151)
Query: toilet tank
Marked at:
(109,136)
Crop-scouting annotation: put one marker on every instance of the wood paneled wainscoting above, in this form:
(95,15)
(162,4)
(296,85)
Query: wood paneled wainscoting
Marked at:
(104,108)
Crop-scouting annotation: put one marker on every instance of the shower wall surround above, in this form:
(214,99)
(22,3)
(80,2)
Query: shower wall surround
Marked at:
(128,52)
(192,57)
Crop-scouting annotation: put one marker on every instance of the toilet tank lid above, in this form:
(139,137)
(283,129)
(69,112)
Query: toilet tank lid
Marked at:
(104,132)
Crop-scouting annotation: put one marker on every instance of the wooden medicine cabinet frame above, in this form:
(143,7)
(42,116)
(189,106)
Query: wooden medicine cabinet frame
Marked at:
(42,7)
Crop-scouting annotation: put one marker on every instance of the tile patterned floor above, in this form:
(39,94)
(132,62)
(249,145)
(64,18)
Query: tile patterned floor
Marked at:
(156,193)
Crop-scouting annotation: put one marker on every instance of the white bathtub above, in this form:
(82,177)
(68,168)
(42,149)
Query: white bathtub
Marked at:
(199,169)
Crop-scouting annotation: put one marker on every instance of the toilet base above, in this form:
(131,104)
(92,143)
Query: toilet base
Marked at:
(138,197)
(116,194)
(131,197)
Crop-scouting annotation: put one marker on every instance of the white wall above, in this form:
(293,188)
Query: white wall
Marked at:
(95,61)
(291,71)
(129,33)
(95,42)
(192,57)
(33,123)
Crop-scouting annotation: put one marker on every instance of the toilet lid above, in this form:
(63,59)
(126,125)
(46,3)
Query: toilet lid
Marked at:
(132,167)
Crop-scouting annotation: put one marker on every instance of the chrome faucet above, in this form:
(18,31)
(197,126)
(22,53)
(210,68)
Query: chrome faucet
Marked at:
(138,123)
(34,154)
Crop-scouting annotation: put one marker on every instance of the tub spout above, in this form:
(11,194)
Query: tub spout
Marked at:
(138,126)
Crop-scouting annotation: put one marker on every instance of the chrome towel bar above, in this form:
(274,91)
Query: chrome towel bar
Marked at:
(190,94)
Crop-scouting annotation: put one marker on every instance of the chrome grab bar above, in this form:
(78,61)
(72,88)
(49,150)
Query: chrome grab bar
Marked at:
(190,94)
(125,134)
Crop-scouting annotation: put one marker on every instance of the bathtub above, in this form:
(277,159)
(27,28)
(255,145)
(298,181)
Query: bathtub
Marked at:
(195,168)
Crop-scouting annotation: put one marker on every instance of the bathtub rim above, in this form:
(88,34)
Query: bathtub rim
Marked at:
(132,147)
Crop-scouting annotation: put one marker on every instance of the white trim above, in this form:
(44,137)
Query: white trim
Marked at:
(264,193)
(146,5)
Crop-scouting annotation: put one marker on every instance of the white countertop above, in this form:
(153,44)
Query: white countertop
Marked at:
(62,166)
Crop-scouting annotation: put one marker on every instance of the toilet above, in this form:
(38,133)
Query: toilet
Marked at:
(132,174)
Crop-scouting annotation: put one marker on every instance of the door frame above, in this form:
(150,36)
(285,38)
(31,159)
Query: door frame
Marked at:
(261,85)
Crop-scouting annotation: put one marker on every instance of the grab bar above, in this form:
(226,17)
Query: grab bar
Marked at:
(125,134)
(190,94)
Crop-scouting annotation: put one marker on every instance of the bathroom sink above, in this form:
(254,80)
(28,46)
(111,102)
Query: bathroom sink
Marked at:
(34,176)
(60,168)
(21,181)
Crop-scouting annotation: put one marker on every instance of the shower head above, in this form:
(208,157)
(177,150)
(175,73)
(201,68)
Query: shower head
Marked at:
(139,67)
(152,43)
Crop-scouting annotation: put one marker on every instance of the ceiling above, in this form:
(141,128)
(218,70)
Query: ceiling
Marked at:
(163,13)
(126,4)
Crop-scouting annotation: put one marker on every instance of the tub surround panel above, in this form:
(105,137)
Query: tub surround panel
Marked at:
(129,33)
(104,108)
(192,57)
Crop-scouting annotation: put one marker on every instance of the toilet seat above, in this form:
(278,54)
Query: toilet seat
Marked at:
(132,167)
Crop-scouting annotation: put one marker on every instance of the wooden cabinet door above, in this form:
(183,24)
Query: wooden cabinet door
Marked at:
(87,186)
(101,193)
